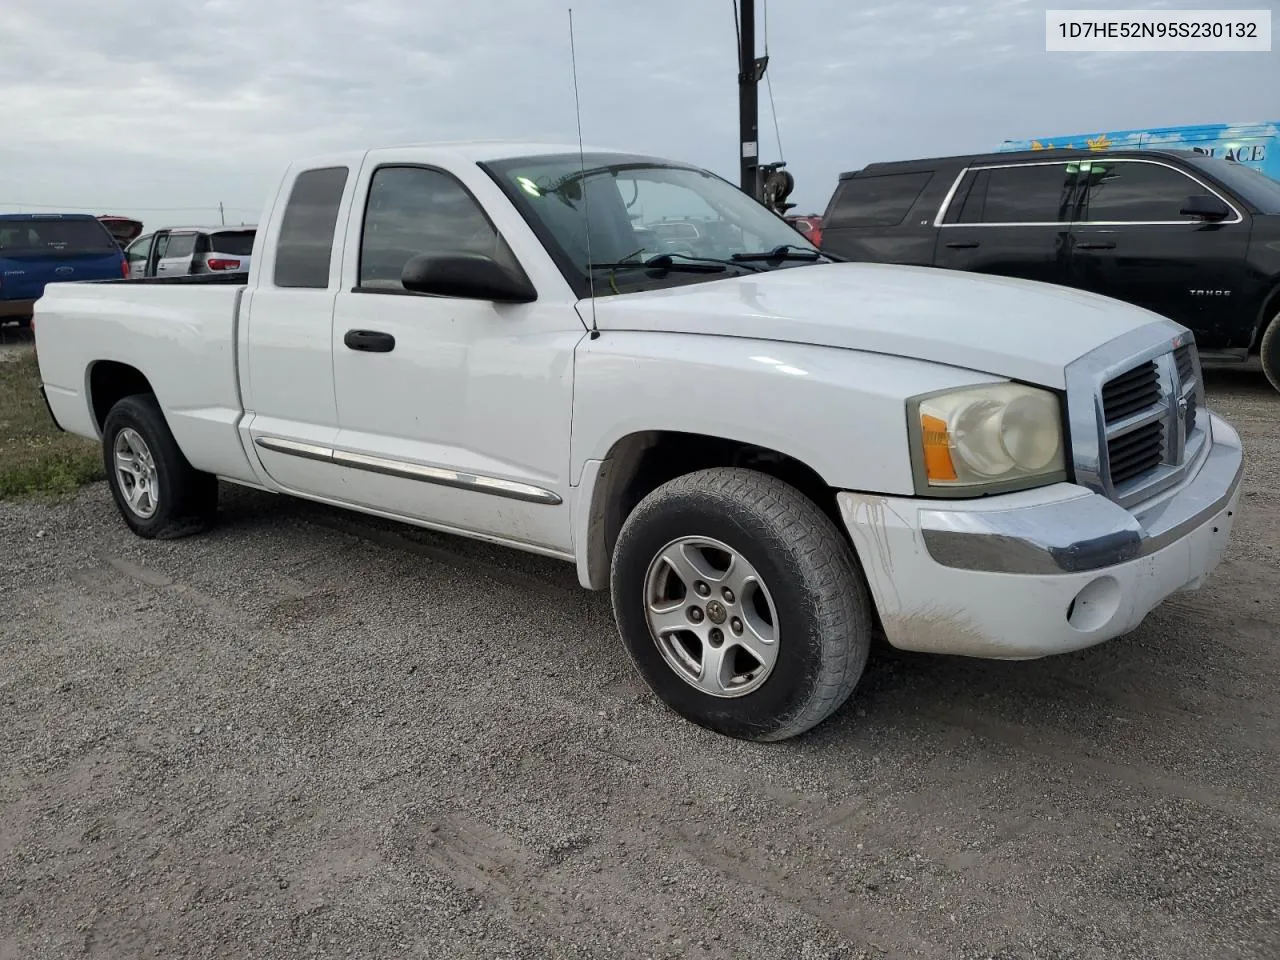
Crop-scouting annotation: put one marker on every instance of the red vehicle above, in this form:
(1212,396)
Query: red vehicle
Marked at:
(124,229)
(810,225)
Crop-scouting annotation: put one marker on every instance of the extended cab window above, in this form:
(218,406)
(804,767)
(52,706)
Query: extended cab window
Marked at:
(305,244)
(1134,191)
(416,210)
(880,201)
(1028,193)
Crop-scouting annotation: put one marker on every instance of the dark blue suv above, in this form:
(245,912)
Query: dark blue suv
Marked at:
(41,248)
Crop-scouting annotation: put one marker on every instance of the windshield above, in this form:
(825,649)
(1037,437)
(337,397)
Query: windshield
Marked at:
(52,237)
(1256,187)
(641,208)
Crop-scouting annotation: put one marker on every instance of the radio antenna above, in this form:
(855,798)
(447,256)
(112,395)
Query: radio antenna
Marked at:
(582,169)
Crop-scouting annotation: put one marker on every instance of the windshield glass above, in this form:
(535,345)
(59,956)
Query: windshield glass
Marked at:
(1256,187)
(640,208)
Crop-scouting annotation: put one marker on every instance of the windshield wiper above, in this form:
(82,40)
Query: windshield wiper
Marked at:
(786,251)
(666,261)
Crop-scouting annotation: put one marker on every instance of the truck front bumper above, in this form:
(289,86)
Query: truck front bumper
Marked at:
(1042,571)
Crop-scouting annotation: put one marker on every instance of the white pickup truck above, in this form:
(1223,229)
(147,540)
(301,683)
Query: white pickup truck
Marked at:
(766,455)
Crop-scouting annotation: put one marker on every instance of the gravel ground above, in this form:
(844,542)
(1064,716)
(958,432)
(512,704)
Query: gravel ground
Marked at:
(307,734)
(13,341)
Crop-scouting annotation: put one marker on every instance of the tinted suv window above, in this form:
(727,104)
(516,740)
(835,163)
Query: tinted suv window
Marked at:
(306,230)
(238,243)
(50,236)
(880,201)
(1132,191)
(414,210)
(1031,193)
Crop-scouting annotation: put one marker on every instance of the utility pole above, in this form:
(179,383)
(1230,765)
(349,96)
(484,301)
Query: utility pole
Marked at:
(769,184)
(221,215)
(750,70)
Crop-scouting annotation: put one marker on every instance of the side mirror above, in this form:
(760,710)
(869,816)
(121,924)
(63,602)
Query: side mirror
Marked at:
(471,276)
(1205,206)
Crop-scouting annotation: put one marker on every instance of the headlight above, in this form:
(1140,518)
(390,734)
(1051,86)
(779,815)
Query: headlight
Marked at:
(986,439)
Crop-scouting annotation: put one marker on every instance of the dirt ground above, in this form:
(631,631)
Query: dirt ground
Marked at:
(307,734)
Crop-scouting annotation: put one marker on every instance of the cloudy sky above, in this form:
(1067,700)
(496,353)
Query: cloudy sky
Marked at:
(163,108)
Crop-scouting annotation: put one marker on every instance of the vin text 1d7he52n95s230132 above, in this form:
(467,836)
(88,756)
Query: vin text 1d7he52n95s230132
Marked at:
(764,455)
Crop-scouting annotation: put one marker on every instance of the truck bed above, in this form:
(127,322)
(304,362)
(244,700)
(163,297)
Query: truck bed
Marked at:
(179,334)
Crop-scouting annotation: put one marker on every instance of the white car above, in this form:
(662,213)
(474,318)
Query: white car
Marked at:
(186,251)
(764,455)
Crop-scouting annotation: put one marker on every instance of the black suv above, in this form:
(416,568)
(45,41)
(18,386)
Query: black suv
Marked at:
(1194,238)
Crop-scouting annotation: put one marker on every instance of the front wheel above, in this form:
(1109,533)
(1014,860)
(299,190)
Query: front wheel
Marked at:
(158,492)
(740,604)
(1269,350)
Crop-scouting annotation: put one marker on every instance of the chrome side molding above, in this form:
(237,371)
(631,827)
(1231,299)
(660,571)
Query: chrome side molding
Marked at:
(408,470)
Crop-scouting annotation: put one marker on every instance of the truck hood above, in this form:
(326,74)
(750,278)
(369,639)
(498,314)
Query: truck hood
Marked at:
(996,325)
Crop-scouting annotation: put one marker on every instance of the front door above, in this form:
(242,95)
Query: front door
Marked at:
(138,255)
(455,412)
(1131,241)
(1011,220)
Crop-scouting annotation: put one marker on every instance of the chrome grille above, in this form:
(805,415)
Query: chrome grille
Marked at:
(1134,453)
(1135,413)
(1133,390)
(1185,362)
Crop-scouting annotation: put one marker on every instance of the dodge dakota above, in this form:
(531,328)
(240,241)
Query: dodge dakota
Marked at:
(768,457)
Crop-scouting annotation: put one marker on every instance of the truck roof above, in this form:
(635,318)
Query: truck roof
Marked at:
(1015,156)
(466,151)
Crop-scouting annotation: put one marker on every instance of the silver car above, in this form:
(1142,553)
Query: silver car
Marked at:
(182,251)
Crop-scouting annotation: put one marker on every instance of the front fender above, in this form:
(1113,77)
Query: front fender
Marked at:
(841,412)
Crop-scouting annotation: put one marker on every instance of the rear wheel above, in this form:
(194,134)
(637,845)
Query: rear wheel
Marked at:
(1270,351)
(157,491)
(740,604)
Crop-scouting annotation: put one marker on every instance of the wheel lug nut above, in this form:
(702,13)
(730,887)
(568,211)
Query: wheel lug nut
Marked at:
(728,595)
(696,614)
(702,588)
(716,637)
(735,625)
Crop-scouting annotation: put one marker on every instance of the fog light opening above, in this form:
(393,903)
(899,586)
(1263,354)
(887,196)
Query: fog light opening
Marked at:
(1093,607)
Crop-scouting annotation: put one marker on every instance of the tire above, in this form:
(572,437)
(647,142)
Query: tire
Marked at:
(1269,351)
(179,500)
(809,596)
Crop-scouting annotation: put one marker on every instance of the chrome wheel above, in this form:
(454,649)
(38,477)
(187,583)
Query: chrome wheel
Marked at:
(711,616)
(136,473)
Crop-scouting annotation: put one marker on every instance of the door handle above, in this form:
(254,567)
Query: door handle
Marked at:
(370,341)
(1095,246)
(962,244)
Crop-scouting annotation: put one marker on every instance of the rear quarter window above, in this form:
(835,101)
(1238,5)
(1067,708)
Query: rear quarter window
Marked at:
(876,201)
(305,245)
